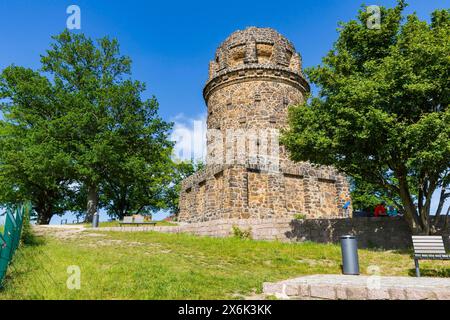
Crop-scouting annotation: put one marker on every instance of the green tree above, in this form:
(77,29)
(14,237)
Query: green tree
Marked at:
(140,170)
(115,138)
(82,129)
(182,170)
(382,113)
(366,196)
(33,165)
(85,75)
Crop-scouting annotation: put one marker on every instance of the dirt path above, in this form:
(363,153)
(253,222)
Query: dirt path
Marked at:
(72,232)
(59,231)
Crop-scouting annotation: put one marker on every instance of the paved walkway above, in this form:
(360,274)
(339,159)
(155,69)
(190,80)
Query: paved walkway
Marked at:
(342,287)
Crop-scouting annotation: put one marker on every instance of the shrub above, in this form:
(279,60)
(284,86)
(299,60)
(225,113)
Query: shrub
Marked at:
(300,216)
(242,234)
(28,237)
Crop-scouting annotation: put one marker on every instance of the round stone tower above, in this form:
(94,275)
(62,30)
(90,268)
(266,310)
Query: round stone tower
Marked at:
(255,76)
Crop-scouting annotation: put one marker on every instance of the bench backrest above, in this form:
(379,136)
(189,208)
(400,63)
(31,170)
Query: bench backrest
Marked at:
(428,245)
(139,219)
(128,219)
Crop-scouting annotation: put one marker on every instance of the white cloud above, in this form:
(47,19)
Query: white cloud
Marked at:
(190,137)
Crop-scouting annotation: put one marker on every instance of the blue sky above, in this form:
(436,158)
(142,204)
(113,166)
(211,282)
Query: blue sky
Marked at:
(171,42)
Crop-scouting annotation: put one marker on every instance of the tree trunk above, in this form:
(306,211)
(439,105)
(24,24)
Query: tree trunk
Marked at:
(442,198)
(446,219)
(411,215)
(44,215)
(92,203)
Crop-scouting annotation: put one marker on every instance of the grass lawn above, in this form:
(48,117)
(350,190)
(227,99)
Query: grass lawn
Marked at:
(122,265)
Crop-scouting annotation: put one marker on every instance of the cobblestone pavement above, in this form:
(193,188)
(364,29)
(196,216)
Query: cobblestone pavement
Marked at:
(332,287)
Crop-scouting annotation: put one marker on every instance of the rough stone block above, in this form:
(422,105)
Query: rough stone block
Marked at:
(323,292)
(442,294)
(270,288)
(292,289)
(304,290)
(356,293)
(397,294)
(378,294)
(341,293)
(419,294)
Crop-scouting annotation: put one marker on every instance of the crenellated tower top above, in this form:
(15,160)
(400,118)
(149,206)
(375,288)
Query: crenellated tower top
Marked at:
(255,52)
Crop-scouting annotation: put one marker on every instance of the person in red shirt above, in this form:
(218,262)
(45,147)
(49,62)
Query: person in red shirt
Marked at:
(380,210)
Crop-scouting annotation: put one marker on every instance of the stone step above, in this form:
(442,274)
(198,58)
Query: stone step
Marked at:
(341,287)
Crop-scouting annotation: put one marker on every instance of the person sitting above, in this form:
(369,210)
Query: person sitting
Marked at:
(380,210)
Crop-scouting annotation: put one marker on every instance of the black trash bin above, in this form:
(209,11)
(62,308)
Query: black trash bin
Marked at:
(350,261)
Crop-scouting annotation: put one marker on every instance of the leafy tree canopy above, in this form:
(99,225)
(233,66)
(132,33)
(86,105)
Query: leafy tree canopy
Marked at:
(80,127)
(33,164)
(182,170)
(382,113)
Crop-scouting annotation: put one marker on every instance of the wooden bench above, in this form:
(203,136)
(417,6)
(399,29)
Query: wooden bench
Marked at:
(135,221)
(428,248)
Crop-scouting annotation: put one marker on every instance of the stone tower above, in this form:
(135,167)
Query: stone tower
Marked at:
(255,76)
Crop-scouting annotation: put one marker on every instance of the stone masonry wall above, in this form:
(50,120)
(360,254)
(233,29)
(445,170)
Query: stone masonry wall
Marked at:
(246,192)
(386,233)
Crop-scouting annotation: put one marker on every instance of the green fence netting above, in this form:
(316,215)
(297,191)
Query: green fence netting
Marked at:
(10,240)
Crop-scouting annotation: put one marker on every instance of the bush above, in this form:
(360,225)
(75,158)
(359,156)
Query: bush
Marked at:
(300,216)
(242,234)
(28,237)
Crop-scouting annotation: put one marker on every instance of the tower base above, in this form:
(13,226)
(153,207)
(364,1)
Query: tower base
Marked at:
(299,190)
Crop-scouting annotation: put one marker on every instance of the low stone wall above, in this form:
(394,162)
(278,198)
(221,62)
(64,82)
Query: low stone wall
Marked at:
(387,233)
